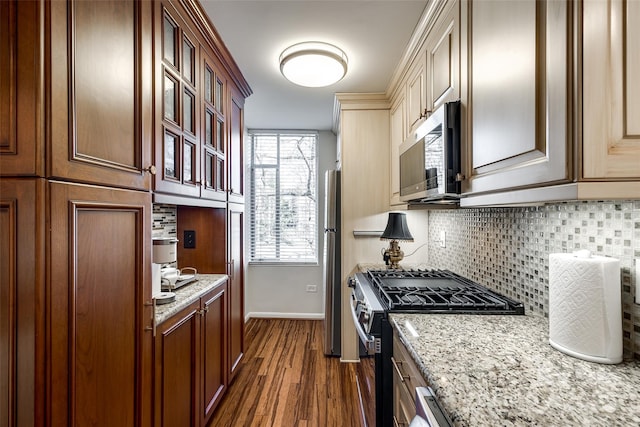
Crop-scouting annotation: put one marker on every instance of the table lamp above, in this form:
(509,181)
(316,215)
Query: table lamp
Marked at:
(396,230)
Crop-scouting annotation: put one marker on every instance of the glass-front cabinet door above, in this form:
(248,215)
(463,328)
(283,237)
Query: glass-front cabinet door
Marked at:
(177,136)
(214,130)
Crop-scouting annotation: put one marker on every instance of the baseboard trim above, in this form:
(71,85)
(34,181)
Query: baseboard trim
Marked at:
(278,315)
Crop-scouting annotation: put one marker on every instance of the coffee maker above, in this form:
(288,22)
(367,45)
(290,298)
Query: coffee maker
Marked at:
(164,252)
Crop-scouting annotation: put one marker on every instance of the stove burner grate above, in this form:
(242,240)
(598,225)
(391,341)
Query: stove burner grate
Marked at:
(438,291)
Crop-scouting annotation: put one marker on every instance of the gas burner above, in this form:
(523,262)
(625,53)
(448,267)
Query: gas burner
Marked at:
(412,299)
(437,291)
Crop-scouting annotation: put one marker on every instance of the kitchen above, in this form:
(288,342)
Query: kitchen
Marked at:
(502,238)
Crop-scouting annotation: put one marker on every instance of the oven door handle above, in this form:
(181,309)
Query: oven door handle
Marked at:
(368,341)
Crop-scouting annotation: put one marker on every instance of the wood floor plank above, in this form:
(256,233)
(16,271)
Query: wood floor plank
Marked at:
(286,380)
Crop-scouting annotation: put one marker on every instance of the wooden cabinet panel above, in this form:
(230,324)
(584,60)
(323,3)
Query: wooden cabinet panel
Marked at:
(214,130)
(398,135)
(177,102)
(416,94)
(21,141)
(191,361)
(611,90)
(236,288)
(21,302)
(100,92)
(406,377)
(236,160)
(100,323)
(443,58)
(210,227)
(214,350)
(177,347)
(518,95)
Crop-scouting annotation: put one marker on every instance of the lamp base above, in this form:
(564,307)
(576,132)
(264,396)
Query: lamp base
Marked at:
(393,255)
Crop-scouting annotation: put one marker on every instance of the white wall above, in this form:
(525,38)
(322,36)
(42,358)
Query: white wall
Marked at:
(280,290)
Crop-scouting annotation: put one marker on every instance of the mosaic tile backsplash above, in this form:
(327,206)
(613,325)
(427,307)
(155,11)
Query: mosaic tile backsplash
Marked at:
(165,220)
(507,249)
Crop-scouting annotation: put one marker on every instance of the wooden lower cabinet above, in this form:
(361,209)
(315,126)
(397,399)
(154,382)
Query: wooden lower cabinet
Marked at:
(177,344)
(99,317)
(190,362)
(214,351)
(406,377)
(22,294)
(236,287)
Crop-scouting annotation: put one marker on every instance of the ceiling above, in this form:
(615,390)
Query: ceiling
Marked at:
(374,35)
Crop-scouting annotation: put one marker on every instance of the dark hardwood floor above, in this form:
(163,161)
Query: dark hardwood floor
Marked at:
(286,380)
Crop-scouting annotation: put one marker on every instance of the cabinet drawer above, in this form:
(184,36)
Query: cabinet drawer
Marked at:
(404,402)
(405,367)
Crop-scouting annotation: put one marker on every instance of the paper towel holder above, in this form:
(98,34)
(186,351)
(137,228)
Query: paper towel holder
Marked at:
(585,307)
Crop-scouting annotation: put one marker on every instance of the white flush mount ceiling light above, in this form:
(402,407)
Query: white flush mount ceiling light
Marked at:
(313,64)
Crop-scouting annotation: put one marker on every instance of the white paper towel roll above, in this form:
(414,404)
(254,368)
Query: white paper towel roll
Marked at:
(585,307)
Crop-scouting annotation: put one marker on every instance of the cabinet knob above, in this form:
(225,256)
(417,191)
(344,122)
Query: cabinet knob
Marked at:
(151,169)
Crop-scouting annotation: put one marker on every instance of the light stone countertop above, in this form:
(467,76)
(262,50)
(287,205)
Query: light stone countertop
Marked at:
(491,370)
(188,294)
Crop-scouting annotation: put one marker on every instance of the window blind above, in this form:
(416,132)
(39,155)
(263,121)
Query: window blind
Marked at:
(283,197)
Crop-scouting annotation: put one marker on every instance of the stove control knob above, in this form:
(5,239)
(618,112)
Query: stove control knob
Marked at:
(364,317)
(351,282)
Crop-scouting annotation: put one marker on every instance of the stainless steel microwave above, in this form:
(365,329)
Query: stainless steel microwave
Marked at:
(430,159)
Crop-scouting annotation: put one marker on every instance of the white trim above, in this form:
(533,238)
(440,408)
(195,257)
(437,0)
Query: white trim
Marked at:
(280,315)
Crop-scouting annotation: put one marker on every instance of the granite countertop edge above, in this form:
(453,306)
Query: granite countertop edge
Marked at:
(520,381)
(188,294)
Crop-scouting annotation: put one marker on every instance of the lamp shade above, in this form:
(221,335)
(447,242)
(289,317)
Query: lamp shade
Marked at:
(397,228)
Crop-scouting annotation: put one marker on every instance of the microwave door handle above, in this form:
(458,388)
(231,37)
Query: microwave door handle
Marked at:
(368,341)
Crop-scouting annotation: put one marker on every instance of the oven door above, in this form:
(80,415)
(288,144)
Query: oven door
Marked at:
(366,368)
(374,372)
(360,316)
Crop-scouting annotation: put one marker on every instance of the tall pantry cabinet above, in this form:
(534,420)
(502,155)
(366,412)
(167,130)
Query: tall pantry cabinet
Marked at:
(76,174)
(76,221)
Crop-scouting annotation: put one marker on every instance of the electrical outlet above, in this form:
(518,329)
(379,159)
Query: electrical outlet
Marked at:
(443,239)
(189,239)
(312,288)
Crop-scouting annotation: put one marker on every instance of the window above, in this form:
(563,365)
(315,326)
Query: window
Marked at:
(283,201)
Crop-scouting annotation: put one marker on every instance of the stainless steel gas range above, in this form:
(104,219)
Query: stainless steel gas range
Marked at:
(377,293)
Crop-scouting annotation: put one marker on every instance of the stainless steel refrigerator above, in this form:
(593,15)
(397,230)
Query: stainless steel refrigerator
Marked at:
(332,271)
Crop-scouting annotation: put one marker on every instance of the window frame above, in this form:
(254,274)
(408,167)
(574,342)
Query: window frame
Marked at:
(278,134)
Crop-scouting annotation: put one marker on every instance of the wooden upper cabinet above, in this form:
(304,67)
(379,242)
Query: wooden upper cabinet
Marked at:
(416,94)
(443,58)
(518,95)
(214,129)
(21,117)
(611,90)
(236,151)
(100,92)
(177,103)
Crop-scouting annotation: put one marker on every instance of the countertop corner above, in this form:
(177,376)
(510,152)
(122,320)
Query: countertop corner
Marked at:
(188,294)
(501,370)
